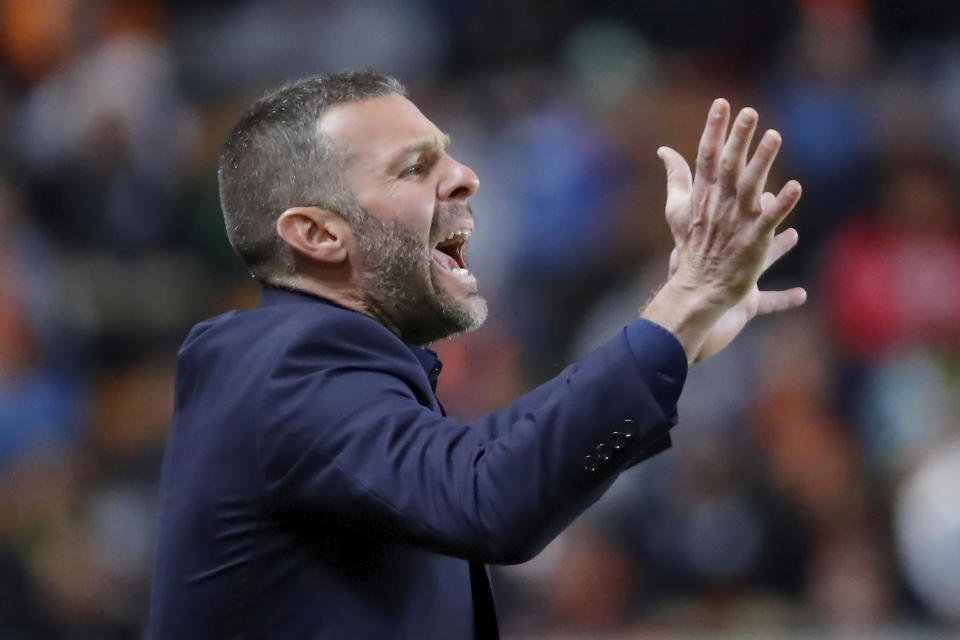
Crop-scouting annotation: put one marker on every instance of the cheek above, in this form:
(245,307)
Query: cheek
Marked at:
(417,214)
(422,207)
(410,205)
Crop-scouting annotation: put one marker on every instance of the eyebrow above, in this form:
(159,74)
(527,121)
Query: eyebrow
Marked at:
(429,144)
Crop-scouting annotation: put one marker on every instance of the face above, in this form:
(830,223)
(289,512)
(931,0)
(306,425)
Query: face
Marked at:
(411,218)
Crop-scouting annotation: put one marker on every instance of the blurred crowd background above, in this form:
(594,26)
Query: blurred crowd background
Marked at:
(814,482)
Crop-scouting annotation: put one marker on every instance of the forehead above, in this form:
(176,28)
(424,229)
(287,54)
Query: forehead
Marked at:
(377,128)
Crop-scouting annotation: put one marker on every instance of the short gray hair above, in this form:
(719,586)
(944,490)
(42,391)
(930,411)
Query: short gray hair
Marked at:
(275,158)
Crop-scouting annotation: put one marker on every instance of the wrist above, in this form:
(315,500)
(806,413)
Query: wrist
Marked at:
(701,293)
(689,302)
(687,311)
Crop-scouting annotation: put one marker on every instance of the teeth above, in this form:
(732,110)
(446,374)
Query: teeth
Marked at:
(456,236)
(460,272)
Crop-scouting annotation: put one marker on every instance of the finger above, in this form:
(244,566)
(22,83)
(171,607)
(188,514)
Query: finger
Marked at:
(734,155)
(679,180)
(781,244)
(767,200)
(782,205)
(754,176)
(773,301)
(711,142)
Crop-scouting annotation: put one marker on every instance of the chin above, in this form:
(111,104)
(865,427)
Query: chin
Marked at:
(455,317)
(476,309)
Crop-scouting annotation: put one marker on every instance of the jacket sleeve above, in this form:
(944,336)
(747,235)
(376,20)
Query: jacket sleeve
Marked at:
(345,435)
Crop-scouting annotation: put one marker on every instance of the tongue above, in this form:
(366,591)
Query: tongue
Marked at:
(444,260)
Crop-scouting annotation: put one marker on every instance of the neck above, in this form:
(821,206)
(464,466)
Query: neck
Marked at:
(344,296)
(338,292)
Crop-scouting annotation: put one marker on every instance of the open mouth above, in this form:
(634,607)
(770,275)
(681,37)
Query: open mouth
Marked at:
(449,252)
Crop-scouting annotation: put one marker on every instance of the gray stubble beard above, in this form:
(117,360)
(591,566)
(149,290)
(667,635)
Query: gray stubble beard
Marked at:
(398,286)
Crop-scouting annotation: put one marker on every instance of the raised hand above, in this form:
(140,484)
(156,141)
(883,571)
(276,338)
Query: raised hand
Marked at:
(723,224)
(756,303)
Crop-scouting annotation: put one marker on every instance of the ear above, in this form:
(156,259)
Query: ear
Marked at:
(316,233)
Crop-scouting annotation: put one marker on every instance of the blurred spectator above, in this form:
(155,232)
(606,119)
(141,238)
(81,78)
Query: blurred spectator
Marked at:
(927,526)
(814,462)
(822,101)
(103,136)
(891,281)
(892,277)
(39,401)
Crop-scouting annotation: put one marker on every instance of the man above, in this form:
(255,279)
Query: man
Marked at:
(313,486)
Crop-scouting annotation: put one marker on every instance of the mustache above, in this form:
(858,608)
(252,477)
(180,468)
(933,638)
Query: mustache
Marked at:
(449,212)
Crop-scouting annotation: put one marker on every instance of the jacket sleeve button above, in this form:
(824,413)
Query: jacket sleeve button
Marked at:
(590,463)
(618,441)
(603,452)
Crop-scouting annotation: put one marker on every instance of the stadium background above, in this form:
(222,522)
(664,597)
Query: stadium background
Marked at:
(814,483)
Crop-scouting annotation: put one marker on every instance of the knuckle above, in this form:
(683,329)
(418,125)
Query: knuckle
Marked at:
(707,154)
(728,165)
(749,208)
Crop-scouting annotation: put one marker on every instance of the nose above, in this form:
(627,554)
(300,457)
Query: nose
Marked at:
(459,182)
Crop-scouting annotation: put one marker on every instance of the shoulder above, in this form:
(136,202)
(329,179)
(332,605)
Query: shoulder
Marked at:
(308,333)
(333,334)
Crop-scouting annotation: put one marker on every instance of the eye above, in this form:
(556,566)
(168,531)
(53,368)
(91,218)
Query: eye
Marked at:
(421,166)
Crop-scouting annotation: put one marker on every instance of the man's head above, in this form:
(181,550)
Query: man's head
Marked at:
(339,185)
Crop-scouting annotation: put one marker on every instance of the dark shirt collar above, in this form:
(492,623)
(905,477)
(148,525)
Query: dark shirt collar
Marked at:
(430,363)
(274,295)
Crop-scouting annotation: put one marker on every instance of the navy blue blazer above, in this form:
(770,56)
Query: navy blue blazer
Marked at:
(313,486)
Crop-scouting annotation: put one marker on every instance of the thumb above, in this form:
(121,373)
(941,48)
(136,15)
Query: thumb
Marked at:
(679,179)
